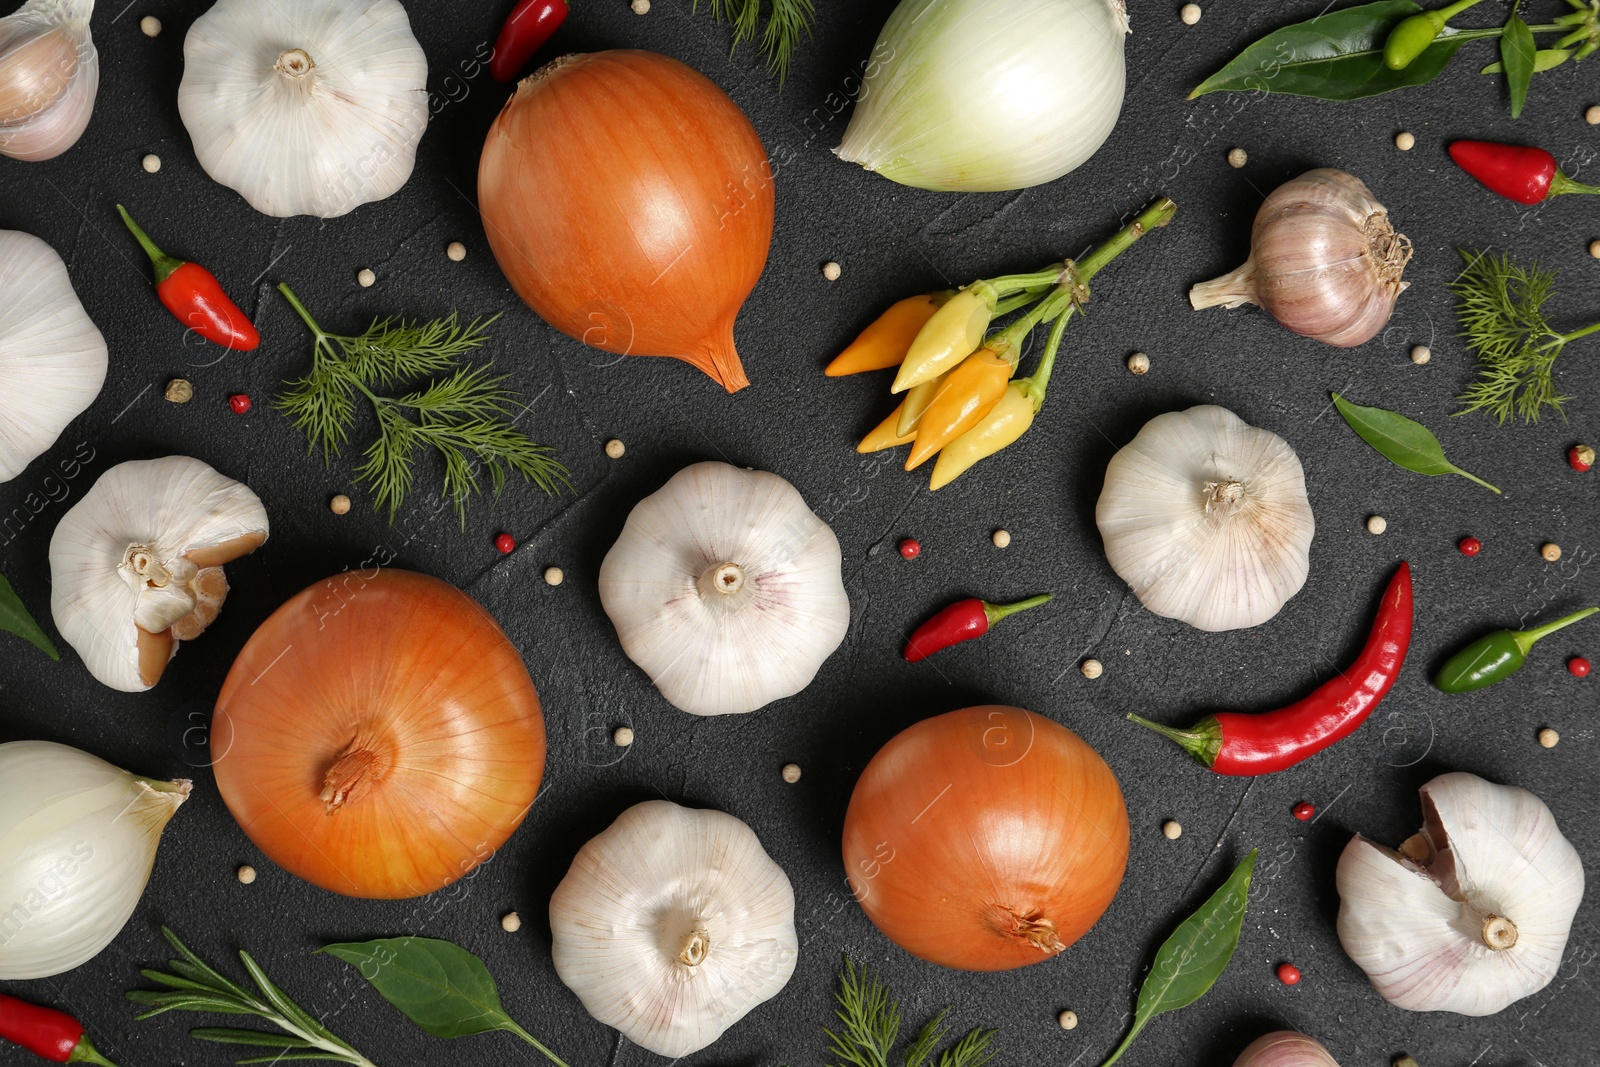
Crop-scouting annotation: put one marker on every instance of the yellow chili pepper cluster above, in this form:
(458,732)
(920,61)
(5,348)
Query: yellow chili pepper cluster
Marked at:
(961,403)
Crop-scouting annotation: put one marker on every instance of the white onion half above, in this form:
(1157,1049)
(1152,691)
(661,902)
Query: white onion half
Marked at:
(978,96)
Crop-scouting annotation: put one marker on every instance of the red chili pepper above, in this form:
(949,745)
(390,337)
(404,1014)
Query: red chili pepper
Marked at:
(195,297)
(1517,172)
(1238,744)
(961,621)
(531,24)
(55,1035)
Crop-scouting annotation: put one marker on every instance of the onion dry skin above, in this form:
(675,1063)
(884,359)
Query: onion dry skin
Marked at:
(379,736)
(630,203)
(986,839)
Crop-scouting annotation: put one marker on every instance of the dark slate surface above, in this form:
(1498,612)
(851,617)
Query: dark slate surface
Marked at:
(892,241)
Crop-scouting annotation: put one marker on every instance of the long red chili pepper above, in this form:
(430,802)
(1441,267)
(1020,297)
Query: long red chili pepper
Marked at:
(961,621)
(1238,744)
(195,297)
(1517,172)
(55,1035)
(530,25)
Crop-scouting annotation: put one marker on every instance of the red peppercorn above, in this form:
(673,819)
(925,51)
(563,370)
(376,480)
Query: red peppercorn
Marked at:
(506,544)
(1470,546)
(1304,810)
(1578,667)
(1581,457)
(910,549)
(1288,974)
(239,403)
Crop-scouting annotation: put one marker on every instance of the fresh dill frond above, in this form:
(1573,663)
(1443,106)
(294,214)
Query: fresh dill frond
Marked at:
(1500,310)
(787,22)
(466,416)
(870,1028)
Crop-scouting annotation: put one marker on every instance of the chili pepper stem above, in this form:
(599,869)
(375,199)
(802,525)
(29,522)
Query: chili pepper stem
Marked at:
(1526,638)
(996,612)
(1202,741)
(87,1053)
(1561,184)
(165,265)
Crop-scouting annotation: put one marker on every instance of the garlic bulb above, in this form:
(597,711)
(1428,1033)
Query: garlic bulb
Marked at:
(1285,1048)
(305,107)
(77,842)
(1473,912)
(974,96)
(725,589)
(49,75)
(52,359)
(1207,519)
(136,565)
(1324,261)
(672,924)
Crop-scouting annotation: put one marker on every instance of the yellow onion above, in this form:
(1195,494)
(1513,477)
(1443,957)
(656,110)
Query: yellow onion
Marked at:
(630,203)
(1324,261)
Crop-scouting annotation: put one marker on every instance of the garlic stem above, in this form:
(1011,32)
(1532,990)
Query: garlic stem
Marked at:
(294,63)
(1499,933)
(1223,498)
(725,578)
(696,948)
(141,560)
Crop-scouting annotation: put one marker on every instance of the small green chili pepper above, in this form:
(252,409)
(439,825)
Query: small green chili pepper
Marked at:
(1497,655)
(1412,36)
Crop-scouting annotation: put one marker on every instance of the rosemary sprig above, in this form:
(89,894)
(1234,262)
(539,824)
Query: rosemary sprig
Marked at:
(787,22)
(196,987)
(465,416)
(1500,312)
(871,1028)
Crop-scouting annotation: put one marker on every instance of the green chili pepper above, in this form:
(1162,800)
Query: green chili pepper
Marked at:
(1412,36)
(1497,655)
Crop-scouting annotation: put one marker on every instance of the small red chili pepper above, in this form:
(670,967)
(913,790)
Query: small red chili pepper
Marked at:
(195,297)
(1240,744)
(910,548)
(1288,974)
(55,1035)
(506,544)
(1580,458)
(1304,810)
(1517,172)
(1470,546)
(530,25)
(1578,667)
(962,621)
(239,403)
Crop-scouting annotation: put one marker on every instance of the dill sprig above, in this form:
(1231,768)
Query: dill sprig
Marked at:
(464,414)
(194,986)
(871,1027)
(787,22)
(1500,312)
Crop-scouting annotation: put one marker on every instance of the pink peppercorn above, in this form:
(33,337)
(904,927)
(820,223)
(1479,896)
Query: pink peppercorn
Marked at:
(1304,810)
(1288,974)
(239,403)
(910,549)
(506,544)
(1578,667)
(1470,546)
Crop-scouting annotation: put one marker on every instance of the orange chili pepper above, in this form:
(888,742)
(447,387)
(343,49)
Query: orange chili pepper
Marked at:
(968,394)
(887,433)
(884,344)
(915,405)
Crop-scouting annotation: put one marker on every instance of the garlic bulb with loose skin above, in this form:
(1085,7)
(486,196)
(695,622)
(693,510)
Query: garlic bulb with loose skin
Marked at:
(1324,261)
(136,565)
(77,842)
(1473,912)
(305,107)
(725,589)
(49,75)
(1285,1048)
(672,924)
(1206,518)
(52,358)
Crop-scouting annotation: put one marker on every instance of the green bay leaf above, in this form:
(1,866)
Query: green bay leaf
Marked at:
(440,986)
(14,618)
(1404,442)
(1337,56)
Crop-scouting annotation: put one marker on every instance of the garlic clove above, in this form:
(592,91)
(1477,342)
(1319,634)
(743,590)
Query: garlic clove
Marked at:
(135,565)
(672,924)
(305,107)
(1473,918)
(52,358)
(49,76)
(1285,1048)
(1207,519)
(726,589)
